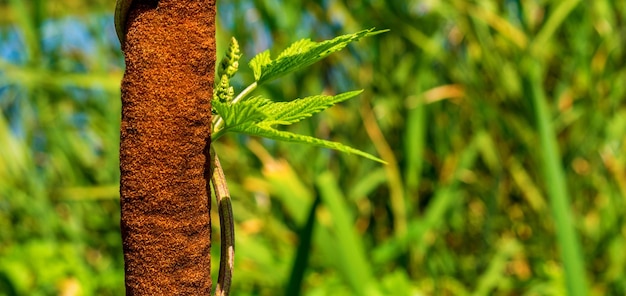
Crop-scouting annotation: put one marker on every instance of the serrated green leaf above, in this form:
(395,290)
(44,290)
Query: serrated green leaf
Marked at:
(257,63)
(297,47)
(257,116)
(300,55)
(296,110)
(242,113)
(270,133)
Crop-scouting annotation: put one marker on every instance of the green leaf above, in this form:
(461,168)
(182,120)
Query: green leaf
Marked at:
(238,114)
(296,110)
(301,54)
(257,63)
(257,116)
(270,133)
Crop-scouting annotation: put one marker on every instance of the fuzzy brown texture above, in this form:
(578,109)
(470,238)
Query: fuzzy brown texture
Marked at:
(165,136)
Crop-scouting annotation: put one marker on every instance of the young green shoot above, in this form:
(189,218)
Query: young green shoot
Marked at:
(257,116)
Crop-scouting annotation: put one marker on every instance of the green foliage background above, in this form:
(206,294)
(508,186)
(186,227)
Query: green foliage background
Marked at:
(471,202)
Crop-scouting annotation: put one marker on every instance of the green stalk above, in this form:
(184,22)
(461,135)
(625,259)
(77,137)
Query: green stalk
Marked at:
(569,244)
(227,226)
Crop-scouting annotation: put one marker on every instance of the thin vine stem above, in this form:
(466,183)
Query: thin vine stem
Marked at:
(227,228)
(225,209)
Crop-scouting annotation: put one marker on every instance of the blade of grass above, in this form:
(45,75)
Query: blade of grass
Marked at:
(500,24)
(302,253)
(524,182)
(394,177)
(569,244)
(552,24)
(414,144)
(352,261)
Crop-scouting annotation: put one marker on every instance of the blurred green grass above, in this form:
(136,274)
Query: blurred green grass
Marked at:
(503,123)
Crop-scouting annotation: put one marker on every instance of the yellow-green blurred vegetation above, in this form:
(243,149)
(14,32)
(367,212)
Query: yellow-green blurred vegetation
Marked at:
(503,123)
